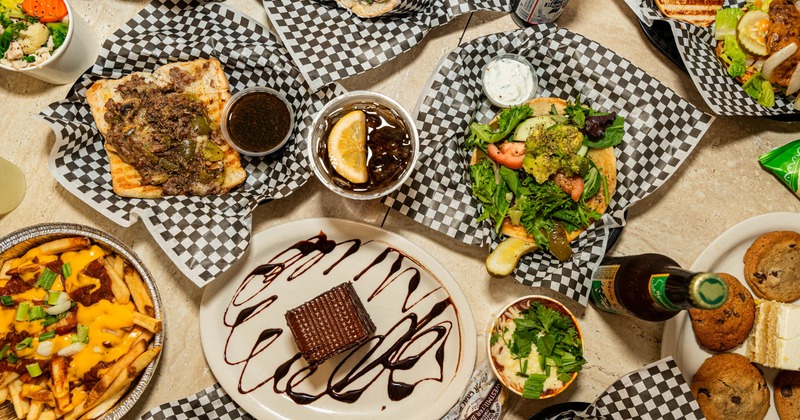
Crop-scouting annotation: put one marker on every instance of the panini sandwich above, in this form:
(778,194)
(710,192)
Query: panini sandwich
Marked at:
(162,131)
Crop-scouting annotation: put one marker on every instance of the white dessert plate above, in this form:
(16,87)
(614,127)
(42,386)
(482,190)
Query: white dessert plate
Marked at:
(416,365)
(724,255)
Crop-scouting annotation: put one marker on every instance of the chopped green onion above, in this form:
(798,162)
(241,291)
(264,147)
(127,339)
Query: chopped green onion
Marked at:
(564,377)
(49,320)
(6,301)
(36,312)
(52,297)
(47,336)
(534,386)
(47,279)
(34,370)
(24,343)
(22,311)
(4,350)
(66,270)
(83,334)
(12,358)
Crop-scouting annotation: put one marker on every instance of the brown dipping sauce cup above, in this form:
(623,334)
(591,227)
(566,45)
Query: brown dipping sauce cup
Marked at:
(257,121)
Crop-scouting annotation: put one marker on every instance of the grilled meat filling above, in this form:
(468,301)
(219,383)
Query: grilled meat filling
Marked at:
(166,135)
(784,29)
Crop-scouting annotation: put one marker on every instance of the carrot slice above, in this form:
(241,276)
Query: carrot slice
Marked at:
(45,10)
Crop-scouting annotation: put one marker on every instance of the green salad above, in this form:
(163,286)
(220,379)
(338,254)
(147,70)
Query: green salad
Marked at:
(540,178)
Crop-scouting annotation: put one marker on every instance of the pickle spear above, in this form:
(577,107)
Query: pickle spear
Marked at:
(502,261)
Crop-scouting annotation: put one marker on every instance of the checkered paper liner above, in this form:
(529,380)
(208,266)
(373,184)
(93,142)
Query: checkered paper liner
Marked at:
(654,392)
(330,43)
(209,404)
(696,45)
(661,130)
(203,236)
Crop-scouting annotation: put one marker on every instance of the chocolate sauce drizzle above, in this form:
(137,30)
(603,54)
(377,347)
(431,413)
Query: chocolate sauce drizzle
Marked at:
(384,354)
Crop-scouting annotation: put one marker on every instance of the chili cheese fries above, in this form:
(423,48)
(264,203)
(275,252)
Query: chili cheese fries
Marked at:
(76,323)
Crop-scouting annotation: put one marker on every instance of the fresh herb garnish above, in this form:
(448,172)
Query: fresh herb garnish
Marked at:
(556,341)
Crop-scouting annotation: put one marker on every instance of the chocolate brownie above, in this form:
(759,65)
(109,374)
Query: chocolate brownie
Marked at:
(728,386)
(772,266)
(728,326)
(329,324)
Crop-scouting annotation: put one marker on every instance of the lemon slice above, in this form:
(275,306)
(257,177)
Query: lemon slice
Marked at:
(347,147)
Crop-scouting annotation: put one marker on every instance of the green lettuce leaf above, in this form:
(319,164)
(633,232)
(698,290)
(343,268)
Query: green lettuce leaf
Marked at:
(733,51)
(483,134)
(726,22)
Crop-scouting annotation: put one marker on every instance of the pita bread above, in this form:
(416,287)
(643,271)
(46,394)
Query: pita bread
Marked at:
(209,87)
(604,159)
(366,10)
(696,12)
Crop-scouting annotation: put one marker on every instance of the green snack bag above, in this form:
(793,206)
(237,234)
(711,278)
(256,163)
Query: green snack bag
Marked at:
(784,162)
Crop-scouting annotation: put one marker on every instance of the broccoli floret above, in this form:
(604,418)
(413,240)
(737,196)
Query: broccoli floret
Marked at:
(59,32)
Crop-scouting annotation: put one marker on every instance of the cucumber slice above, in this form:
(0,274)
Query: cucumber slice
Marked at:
(528,126)
(752,32)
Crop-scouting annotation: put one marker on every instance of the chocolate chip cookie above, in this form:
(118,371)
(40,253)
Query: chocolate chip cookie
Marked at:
(787,394)
(728,386)
(728,326)
(772,266)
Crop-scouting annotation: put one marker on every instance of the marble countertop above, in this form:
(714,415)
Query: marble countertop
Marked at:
(719,185)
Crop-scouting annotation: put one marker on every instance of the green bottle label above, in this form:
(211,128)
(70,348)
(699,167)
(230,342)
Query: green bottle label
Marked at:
(602,294)
(658,293)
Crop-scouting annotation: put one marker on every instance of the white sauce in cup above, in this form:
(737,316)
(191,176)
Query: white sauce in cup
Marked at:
(507,81)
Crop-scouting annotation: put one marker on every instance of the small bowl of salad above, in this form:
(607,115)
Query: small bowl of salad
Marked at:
(35,36)
(536,347)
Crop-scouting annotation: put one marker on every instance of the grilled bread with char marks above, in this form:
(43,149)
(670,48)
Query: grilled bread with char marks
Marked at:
(696,12)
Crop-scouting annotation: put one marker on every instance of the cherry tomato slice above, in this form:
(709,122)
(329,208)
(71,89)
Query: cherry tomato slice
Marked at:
(509,154)
(46,11)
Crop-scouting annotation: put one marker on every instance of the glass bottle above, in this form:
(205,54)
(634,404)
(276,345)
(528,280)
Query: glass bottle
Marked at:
(653,287)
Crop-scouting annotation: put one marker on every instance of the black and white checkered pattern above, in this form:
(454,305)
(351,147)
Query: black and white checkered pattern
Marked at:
(330,43)
(654,392)
(202,235)
(696,45)
(661,130)
(211,403)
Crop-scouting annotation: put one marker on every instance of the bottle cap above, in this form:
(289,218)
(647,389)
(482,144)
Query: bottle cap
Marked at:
(708,291)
